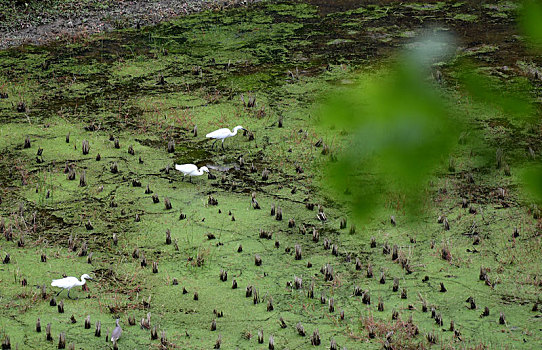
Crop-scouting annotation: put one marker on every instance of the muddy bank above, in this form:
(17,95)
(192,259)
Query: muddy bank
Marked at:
(32,25)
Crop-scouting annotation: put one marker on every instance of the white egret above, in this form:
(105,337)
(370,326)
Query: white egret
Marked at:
(115,335)
(190,170)
(222,134)
(70,282)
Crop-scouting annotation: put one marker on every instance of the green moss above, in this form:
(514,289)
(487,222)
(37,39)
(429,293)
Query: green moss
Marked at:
(503,6)
(338,41)
(138,67)
(466,17)
(502,9)
(437,6)
(481,49)
(279,55)
(299,10)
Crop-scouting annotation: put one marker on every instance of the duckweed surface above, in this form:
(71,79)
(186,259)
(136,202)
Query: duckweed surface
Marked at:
(266,67)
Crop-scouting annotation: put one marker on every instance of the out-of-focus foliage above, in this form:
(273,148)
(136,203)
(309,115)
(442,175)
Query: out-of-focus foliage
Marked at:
(531,21)
(400,129)
(533,180)
(513,99)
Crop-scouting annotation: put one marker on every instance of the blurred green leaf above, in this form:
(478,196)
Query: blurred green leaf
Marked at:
(533,181)
(512,99)
(531,21)
(400,130)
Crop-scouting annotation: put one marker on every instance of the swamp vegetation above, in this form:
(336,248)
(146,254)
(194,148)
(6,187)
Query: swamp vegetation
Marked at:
(317,228)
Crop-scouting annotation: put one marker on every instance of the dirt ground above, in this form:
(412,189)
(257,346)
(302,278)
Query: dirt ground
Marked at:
(30,26)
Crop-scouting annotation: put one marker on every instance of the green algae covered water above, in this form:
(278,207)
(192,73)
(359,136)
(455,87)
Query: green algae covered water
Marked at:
(267,67)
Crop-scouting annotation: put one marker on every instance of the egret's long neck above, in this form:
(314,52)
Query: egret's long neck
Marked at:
(83,281)
(234,132)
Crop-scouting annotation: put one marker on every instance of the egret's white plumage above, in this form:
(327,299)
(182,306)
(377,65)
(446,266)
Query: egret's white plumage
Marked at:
(191,170)
(70,282)
(222,134)
(115,335)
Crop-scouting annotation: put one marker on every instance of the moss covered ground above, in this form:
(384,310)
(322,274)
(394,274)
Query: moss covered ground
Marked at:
(148,87)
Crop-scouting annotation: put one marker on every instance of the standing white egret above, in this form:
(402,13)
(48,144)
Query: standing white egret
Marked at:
(115,335)
(222,134)
(190,170)
(70,282)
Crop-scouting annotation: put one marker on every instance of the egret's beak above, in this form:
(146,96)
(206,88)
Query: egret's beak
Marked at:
(90,278)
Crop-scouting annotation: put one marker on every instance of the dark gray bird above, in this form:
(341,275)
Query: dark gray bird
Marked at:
(115,335)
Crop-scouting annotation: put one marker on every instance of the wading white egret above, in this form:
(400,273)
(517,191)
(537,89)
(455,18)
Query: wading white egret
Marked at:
(190,170)
(222,134)
(70,282)
(115,335)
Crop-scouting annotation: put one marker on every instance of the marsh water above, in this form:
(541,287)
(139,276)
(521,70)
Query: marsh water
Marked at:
(147,87)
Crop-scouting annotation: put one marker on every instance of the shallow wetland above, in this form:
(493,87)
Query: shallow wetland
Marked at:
(390,280)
